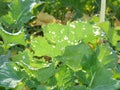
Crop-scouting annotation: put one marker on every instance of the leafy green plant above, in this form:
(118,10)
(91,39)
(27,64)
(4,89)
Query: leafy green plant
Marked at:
(80,65)
(74,56)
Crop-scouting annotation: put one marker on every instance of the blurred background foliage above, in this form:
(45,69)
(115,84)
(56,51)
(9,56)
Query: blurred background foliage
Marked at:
(68,10)
(77,9)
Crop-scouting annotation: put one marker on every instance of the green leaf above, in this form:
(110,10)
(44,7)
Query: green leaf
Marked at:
(78,57)
(9,74)
(106,55)
(114,37)
(105,26)
(19,12)
(64,77)
(117,86)
(3,58)
(81,76)
(102,79)
(118,46)
(1,50)
(43,48)
(3,7)
(31,82)
(58,36)
(71,34)
(25,57)
(51,82)
(44,74)
(105,88)
(113,34)
(16,38)
(95,19)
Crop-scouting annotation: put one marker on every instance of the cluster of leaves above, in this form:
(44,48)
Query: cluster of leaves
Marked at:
(80,7)
(75,56)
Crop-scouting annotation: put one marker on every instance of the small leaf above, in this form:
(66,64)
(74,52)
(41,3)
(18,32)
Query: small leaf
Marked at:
(77,56)
(1,50)
(105,26)
(106,55)
(3,58)
(64,77)
(9,38)
(25,57)
(45,73)
(81,76)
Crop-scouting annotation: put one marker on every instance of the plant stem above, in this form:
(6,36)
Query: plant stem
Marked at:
(92,79)
(102,10)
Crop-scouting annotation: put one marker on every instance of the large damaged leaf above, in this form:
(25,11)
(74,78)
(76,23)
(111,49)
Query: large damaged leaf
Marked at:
(72,33)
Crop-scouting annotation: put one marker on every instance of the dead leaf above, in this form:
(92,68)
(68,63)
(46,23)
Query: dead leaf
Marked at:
(116,22)
(43,19)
